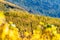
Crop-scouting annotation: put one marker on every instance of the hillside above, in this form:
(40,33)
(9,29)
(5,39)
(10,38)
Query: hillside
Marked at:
(28,26)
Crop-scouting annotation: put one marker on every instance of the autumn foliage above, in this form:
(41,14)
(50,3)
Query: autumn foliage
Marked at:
(24,26)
